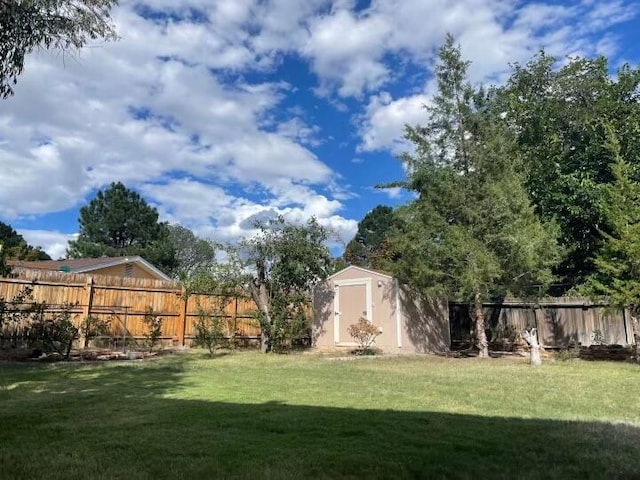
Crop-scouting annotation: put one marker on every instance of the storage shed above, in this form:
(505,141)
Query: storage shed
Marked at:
(408,323)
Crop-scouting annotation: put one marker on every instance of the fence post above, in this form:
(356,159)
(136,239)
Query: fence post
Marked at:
(86,309)
(183,318)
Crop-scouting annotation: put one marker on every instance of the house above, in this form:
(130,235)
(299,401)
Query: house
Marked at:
(408,323)
(127,267)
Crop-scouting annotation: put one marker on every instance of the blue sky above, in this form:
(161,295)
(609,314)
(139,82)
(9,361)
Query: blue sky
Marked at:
(222,112)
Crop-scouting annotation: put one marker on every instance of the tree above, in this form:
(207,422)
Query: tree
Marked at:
(16,248)
(617,275)
(471,233)
(558,117)
(52,24)
(286,261)
(194,255)
(119,222)
(370,246)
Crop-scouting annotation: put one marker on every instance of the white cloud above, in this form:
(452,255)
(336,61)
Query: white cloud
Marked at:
(186,108)
(53,242)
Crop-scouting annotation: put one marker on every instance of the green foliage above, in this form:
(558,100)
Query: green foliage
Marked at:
(364,333)
(210,329)
(597,337)
(52,24)
(54,333)
(93,327)
(472,232)
(15,247)
(561,119)
(287,260)
(371,246)
(119,222)
(154,327)
(617,275)
(5,270)
(194,256)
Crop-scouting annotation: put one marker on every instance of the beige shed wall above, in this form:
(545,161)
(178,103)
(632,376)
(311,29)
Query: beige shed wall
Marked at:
(424,326)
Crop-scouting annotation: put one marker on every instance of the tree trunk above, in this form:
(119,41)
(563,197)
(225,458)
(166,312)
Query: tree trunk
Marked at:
(531,337)
(635,325)
(481,336)
(260,296)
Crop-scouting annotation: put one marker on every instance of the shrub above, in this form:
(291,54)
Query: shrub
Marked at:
(93,327)
(154,326)
(54,334)
(364,333)
(210,330)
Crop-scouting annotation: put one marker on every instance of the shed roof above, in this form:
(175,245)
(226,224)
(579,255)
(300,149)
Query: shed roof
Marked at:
(364,270)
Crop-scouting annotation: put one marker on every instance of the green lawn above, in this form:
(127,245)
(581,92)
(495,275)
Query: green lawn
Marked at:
(248,415)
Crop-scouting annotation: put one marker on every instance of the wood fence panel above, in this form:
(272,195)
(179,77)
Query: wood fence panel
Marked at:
(124,302)
(560,321)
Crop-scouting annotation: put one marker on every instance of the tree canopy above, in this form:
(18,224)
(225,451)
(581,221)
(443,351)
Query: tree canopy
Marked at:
(15,247)
(285,260)
(472,232)
(51,24)
(370,247)
(194,256)
(558,116)
(119,222)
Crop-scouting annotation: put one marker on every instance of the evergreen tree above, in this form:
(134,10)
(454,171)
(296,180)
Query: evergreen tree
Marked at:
(471,233)
(119,222)
(370,247)
(617,275)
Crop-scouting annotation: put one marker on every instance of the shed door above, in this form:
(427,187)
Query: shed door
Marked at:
(352,300)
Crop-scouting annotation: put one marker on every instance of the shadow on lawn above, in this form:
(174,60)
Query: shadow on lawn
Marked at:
(118,422)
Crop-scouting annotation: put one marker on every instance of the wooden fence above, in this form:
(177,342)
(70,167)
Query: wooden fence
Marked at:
(124,302)
(560,321)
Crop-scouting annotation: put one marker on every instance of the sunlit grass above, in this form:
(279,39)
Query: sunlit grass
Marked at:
(247,415)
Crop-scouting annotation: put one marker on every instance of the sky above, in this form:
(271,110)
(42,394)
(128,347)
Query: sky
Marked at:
(220,113)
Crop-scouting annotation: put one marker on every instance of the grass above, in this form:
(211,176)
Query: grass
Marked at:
(248,415)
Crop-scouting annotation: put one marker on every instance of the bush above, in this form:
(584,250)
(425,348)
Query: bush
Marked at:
(364,333)
(154,325)
(93,327)
(53,334)
(210,330)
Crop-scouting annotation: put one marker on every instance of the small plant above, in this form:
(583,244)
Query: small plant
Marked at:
(93,327)
(364,333)
(210,330)
(565,354)
(53,334)
(597,337)
(154,326)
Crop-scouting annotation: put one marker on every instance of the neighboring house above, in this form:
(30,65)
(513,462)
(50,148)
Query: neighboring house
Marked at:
(408,323)
(127,267)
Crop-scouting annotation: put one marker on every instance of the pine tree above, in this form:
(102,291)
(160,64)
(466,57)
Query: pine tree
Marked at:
(472,233)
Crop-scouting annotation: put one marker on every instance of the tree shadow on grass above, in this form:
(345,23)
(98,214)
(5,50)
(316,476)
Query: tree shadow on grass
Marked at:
(121,422)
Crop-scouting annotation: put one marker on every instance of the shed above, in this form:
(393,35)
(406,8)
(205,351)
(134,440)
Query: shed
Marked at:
(409,323)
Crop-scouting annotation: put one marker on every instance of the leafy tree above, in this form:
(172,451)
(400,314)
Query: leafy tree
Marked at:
(5,270)
(286,261)
(52,24)
(558,116)
(194,255)
(617,274)
(119,222)
(370,246)
(471,233)
(15,246)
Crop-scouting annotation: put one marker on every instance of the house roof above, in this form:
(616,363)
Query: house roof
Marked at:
(365,270)
(86,265)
